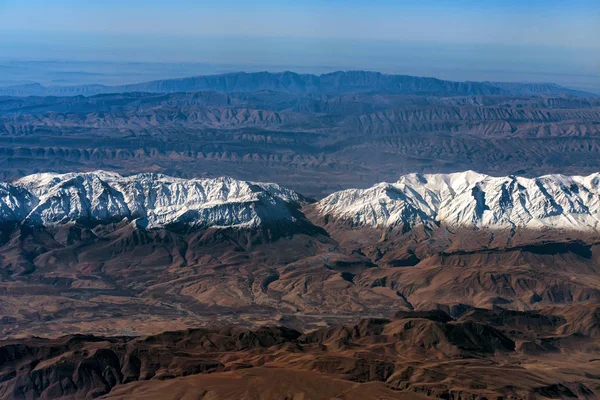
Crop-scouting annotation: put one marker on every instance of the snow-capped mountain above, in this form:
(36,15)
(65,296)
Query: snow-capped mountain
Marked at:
(157,200)
(470,199)
(466,199)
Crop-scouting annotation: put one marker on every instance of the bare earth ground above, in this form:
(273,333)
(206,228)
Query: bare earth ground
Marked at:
(518,320)
(479,354)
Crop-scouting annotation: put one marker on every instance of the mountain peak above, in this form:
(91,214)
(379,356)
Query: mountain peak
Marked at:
(470,199)
(49,199)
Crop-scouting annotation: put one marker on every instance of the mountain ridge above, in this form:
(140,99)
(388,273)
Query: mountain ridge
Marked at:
(459,200)
(158,200)
(473,200)
(356,81)
(299,140)
(175,253)
(401,357)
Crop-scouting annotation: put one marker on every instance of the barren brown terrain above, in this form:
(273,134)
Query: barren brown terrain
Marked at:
(318,309)
(318,306)
(118,279)
(478,354)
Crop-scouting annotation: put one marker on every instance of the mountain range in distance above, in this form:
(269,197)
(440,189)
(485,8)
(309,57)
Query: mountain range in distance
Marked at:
(313,134)
(289,82)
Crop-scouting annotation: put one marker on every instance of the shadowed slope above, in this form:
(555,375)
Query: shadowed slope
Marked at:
(409,354)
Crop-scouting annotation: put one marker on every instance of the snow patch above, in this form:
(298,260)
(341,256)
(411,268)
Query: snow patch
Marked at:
(470,199)
(48,199)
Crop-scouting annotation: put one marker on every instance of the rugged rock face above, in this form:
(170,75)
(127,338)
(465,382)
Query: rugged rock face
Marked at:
(472,200)
(152,200)
(459,200)
(479,355)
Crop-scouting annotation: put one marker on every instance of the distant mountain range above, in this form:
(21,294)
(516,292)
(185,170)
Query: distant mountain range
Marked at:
(289,82)
(298,140)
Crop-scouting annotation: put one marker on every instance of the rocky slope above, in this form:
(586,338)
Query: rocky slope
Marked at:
(471,354)
(472,200)
(459,200)
(89,252)
(152,200)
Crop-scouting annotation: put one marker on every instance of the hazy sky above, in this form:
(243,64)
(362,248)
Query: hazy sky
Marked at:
(540,22)
(553,36)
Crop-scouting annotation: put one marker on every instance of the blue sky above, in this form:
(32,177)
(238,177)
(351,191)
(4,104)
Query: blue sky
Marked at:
(510,36)
(530,22)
